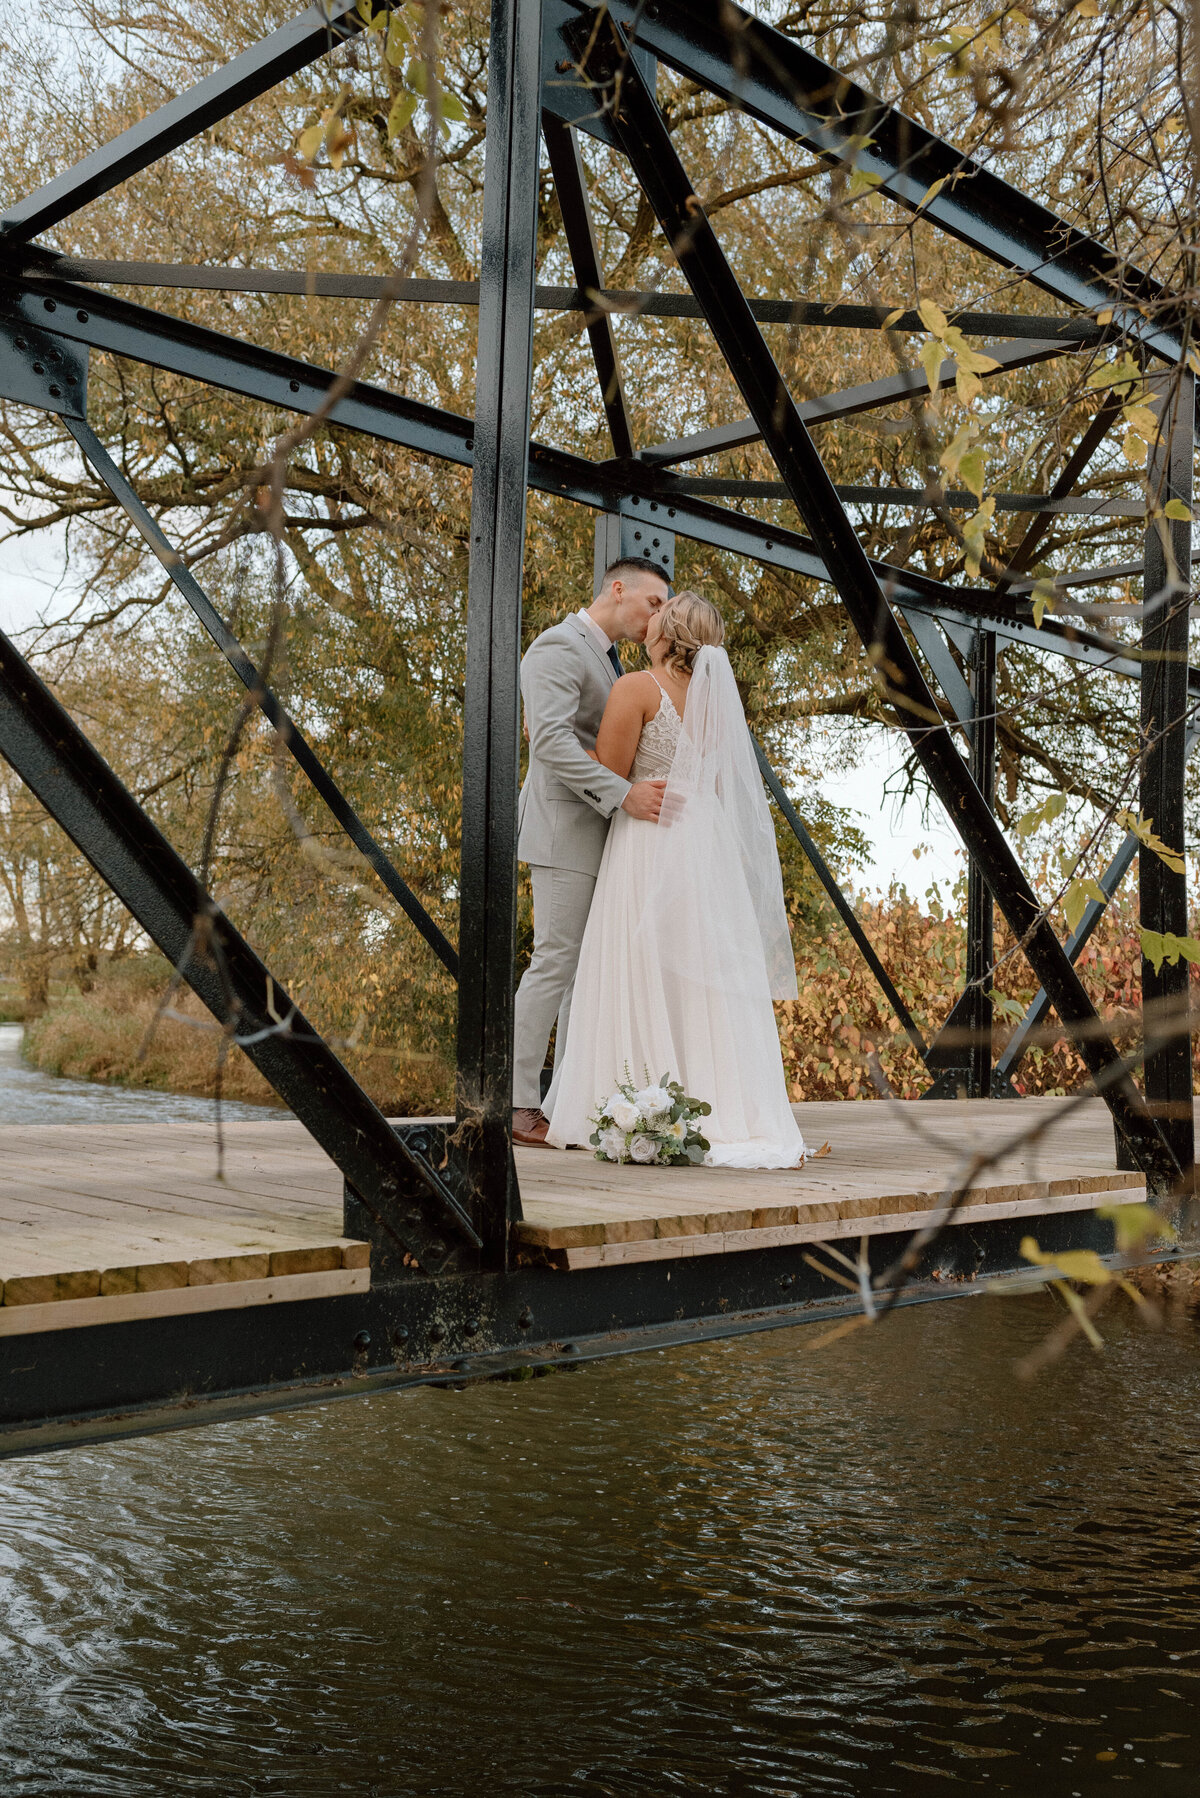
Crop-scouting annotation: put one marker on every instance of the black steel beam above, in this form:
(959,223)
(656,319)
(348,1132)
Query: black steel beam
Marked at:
(909,384)
(37,263)
(289,732)
(958,498)
(778,81)
(81,792)
(1162,890)
(841,904)
(491,759)
(643,136)
(269,61)
(566,165)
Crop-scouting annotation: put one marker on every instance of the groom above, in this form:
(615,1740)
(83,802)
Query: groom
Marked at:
(566,803)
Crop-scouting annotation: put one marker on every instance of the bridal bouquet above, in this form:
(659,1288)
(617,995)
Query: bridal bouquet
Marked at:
(656,1125)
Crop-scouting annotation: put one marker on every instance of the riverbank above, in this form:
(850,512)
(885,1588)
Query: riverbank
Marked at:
(110,1035)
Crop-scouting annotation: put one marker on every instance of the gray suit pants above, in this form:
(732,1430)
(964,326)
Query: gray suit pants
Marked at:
(561,899)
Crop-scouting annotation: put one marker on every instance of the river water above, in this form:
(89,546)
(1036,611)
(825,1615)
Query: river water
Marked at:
(747,1567)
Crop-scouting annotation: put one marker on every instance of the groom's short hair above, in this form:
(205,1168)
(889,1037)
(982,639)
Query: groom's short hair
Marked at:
(628,566)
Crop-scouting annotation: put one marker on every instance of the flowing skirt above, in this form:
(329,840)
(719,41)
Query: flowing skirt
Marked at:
(631,1018)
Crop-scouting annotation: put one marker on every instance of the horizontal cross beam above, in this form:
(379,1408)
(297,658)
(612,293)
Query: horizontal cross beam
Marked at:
(957,498)
(909,384)
(39,263)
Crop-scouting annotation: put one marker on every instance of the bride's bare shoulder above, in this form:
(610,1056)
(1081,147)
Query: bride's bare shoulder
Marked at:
(639,688)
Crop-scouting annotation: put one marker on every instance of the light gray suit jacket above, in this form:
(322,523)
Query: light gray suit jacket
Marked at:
(567,799)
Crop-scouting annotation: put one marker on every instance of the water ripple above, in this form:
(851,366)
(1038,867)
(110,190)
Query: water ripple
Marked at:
(739,1568)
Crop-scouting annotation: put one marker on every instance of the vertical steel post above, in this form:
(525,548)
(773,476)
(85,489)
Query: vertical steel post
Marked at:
(1162,891)
(980,932)
(504,365)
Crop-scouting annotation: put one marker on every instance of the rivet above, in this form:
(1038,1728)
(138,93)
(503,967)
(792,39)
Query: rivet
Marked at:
(786,1281)
(656,543)
(471,1327)
(295,386)
(634,500)
(82,317)
(436,1332)
(19,342)
(525,1319)
(670,511)
(51,305)
(637,535)
(400,1333)
(569,1348)
(39,368)
(55,393)
(654,505)
(363,1340)
(770,542)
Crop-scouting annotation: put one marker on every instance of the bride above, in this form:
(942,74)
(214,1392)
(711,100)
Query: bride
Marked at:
(687,938)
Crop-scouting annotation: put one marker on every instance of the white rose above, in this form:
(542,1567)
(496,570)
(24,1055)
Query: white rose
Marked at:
(678,1130)
(612,1144)
(623,1112)
(643,1148)
(652,1101)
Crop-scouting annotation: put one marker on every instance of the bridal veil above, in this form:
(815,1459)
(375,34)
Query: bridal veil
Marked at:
(715,909)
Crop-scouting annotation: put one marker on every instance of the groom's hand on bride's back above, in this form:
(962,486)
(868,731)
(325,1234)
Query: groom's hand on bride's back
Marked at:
(644,800)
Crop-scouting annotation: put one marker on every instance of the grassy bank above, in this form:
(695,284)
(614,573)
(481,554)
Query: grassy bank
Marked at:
(103,1035)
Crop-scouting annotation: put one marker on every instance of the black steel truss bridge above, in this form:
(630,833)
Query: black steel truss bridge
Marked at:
(449,1297)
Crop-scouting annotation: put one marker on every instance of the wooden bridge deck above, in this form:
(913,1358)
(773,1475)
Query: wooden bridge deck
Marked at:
(104,1223)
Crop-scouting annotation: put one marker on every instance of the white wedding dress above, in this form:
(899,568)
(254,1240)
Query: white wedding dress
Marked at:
(687,941)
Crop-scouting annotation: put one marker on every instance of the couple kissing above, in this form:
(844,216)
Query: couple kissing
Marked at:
(660,931)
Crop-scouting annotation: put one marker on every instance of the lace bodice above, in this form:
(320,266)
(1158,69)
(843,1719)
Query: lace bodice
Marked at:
(658,742)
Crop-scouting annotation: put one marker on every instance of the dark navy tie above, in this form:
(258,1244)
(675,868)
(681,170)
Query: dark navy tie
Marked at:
(615,659)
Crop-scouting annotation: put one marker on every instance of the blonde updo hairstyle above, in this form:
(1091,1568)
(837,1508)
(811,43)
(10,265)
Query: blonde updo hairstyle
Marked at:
(688,625)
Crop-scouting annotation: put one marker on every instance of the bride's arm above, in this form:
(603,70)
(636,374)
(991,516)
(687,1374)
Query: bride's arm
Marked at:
(621,725)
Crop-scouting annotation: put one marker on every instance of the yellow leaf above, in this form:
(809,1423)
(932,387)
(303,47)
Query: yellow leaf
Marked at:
(932,191)
(1105,317)
(1143,421)
(1087,9)
(967,385)
(1072,1264)
(932,317)
(862,181)
(971,472)
(1121,374)
(1043,596)
(1133,447)
(1143,830)
(1175,508)
(308,144)
(932,358)
(1135,1224)
(403,107)
(452,107)
(891,318)
(1077,897)
(397,40)
(975,537)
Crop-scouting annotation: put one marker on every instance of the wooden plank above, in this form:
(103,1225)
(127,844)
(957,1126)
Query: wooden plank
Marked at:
(23,1320)
(676,1248)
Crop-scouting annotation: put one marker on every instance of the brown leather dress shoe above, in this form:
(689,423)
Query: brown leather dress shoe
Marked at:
(529,1127)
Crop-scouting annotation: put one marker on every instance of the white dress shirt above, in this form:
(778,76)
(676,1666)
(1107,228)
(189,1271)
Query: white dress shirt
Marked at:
(603,643)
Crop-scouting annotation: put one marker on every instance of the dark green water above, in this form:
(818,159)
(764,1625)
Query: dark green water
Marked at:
(744,1568)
